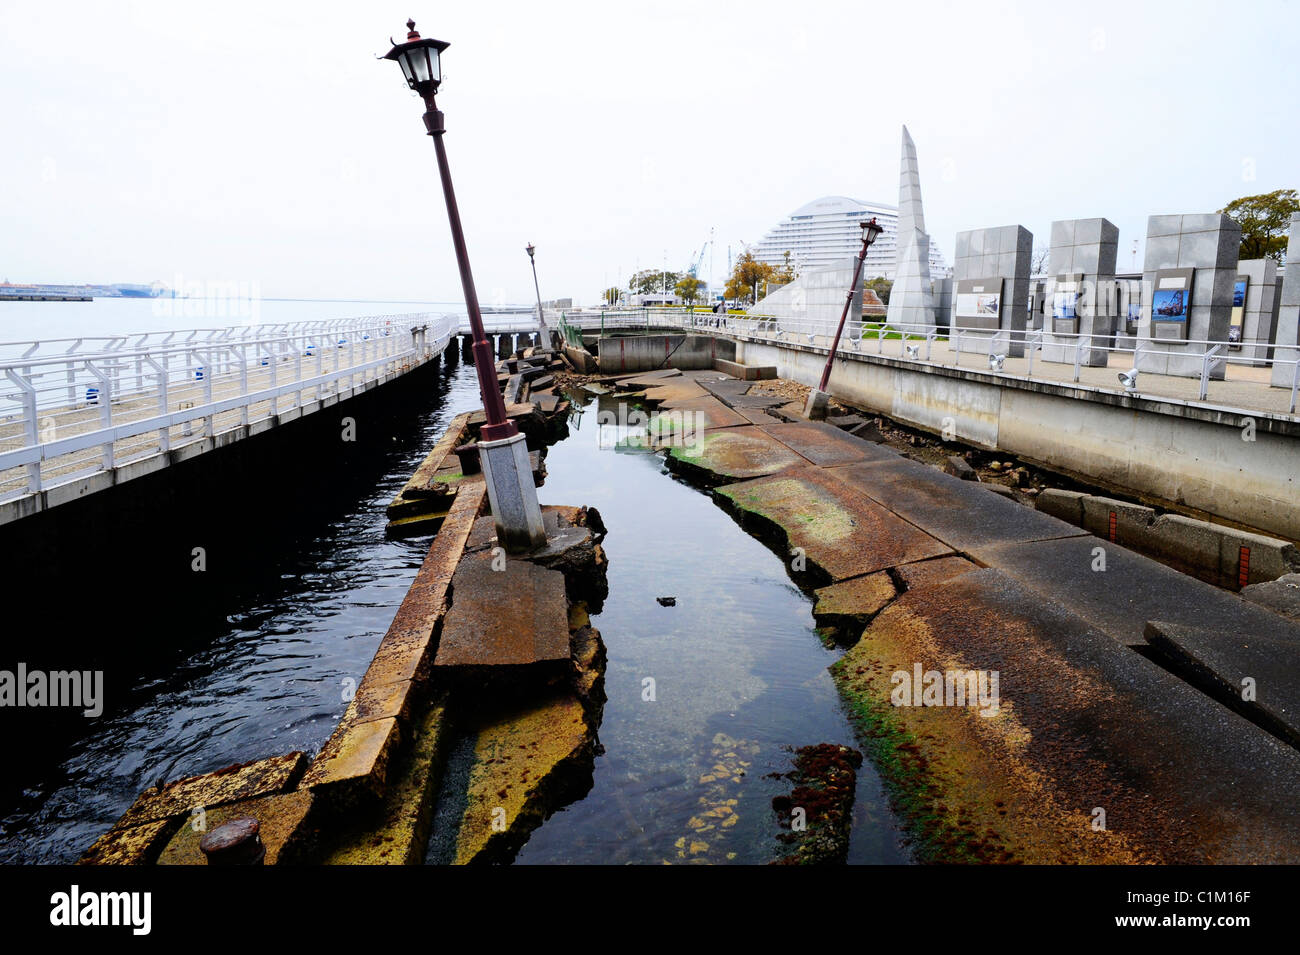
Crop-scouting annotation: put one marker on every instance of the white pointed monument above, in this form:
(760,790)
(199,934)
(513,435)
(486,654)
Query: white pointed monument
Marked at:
(911,300)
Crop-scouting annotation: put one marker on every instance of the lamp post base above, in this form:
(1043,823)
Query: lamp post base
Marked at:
(815,409)
(511,493)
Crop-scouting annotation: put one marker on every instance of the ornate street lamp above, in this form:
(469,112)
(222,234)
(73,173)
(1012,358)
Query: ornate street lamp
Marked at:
(818,398)
(503,451)
(541,319)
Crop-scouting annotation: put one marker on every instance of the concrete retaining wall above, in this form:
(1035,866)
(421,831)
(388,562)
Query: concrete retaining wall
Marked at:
(648,352)
(1166,451)
(1221,555)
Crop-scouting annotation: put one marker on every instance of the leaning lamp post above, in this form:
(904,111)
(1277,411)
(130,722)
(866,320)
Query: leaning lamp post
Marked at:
(541,318)
(819,397)
(503,451)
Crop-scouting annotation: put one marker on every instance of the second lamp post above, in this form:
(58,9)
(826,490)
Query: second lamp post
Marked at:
(820,397)
(541,318)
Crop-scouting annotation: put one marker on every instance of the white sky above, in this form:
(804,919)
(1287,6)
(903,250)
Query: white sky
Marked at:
(261,142)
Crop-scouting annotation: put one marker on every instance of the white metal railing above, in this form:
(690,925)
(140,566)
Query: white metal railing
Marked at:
(78,406)
(857,335)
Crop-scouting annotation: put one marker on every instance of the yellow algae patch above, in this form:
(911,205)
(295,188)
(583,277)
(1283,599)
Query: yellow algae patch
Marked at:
(525,760)
(398,833)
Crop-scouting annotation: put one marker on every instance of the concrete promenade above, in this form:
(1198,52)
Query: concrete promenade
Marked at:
(1094,752)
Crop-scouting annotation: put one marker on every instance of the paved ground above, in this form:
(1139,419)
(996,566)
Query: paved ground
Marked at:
(1096,752)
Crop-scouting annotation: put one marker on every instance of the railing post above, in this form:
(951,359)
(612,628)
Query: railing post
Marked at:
(105,412)
(1295,384)
(1205,370)
(30,427)
(1078,354)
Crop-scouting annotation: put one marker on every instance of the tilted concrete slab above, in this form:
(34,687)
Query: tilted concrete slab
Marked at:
(926,573)
(826,445)
(513,617)
(963,514)
(1253,674)
(1130,591)
(694,415)
(1081,723)
(232,784)
(732,454)
(838,529)
(1281,595)
(280,821)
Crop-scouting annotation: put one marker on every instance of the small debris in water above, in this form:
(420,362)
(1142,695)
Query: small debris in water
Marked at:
(667,601)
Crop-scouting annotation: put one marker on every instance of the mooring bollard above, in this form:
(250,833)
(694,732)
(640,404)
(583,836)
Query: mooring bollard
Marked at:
(234,843)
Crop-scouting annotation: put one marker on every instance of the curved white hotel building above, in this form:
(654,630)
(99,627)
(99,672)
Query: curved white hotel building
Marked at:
(825,232)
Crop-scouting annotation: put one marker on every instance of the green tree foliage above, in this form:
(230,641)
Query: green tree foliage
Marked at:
(1264,222)
(652,281)
(688,288)
(610,295)
(881,286)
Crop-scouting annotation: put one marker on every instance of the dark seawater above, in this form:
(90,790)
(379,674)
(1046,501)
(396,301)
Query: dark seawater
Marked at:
(737,667)
(308,613)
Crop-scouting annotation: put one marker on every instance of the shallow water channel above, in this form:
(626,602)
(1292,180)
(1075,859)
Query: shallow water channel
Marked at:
(739,676)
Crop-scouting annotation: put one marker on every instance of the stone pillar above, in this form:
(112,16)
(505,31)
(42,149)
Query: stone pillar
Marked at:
(1081,262)
(911,300)
(1000,256)
(509,476)
(451,354)
(1259,315)
(1288,314)
(1207,245)
(466,349)
(503,346)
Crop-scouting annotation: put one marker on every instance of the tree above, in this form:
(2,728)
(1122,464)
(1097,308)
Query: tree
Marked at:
(881,286)
(611,295)
(787,273)
(1264,222)
(652,281)
(1038,260)
(746,275)
(688,287)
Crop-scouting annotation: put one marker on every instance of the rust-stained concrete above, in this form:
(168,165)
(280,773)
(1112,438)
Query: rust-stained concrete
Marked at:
(849,605)
(280,827)
(840,531)
(232,784)
(1083,723)
(514,616)
(397,831)
(528,760)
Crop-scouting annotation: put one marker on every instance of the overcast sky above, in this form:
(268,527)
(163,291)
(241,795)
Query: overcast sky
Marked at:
(262,142)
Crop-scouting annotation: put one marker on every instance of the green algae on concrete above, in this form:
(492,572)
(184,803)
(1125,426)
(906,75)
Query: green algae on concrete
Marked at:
(732,454)
(831,528)
(848,606)
(1081,724)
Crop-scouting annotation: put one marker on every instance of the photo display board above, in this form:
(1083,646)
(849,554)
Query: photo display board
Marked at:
(978,303)
(1065,302)
(1171,304)
(1239,289)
